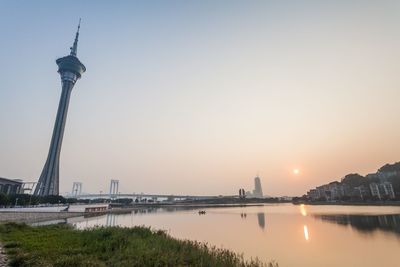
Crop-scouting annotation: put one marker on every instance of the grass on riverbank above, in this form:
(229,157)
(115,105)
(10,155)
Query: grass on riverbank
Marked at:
(62,245)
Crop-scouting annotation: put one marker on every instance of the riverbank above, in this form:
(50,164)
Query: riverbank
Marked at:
(62,245)
(349,203)
(30,217)
(26,216)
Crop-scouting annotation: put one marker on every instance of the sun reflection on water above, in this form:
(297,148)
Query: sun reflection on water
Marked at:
(306,236)
(303,210)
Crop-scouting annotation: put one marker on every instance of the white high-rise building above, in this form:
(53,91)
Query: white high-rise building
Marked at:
(257,188)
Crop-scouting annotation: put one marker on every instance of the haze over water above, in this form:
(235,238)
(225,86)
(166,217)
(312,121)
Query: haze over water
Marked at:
(293,235)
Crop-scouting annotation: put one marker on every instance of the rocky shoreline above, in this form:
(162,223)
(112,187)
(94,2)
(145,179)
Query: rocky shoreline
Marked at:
(3,257)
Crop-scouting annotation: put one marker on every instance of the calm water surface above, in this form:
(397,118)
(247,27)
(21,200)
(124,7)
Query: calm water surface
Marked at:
(292,235)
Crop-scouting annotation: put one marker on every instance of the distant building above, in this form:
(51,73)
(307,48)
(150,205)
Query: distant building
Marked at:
(258,193)
(375,190)
(314,194)
(380,186)
(89,208)
(336,190)
(372,176)
(362,192)
(382,191)
(386,190)
(10,186)
(333,191)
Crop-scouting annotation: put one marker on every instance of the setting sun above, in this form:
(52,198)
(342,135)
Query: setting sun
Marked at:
(296,171)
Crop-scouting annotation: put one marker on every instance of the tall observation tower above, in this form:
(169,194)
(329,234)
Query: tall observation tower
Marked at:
(70,69)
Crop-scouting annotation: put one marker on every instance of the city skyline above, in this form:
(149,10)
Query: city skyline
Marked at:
(196,98)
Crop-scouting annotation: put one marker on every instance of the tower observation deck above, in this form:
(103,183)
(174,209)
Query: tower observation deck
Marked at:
(70,70)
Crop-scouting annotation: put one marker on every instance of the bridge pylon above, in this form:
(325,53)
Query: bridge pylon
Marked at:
(76,189)
(114,185)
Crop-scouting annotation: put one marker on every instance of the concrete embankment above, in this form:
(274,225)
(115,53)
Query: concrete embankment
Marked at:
(27,217)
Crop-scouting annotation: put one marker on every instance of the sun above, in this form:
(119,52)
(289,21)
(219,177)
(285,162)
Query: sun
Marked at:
(296,171)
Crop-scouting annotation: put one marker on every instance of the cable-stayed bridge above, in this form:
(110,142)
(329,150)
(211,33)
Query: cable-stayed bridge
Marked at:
(142,196)
(114,193)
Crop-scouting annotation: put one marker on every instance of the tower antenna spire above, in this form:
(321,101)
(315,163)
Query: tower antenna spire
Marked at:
(74,48)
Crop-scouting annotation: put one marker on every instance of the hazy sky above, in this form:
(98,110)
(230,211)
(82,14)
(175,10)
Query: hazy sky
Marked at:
(196,97)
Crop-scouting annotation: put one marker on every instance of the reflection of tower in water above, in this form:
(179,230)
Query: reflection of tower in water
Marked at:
(261,219)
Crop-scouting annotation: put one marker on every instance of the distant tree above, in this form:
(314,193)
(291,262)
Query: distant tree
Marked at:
(25,199)
(354,180)
(395,180)
(125,201)
(4,199)
(71,200)
(390,167)
(53,199)
(345,198)
(374,198)
(374,180)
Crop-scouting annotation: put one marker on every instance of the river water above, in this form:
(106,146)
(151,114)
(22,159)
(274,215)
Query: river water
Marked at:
(292,235)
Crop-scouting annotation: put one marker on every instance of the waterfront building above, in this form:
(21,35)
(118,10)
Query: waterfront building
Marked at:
(337,191)
(386,190)
(382,191)
(90,208)
(377,185)
(362,192)
(375,190)
(11,186)
(70,70)
(313,194)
